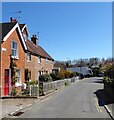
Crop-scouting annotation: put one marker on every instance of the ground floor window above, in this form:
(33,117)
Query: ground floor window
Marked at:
(18,76)
(27,74)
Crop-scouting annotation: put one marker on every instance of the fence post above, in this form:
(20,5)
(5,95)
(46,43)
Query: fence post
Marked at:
(37,88)
(30,91)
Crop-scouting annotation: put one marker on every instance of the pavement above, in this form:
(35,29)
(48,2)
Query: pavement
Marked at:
(11,106)
(106,101)
(108,104)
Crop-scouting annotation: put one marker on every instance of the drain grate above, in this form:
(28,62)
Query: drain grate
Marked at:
(18,113)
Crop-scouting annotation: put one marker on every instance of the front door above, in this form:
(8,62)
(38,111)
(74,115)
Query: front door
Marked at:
(6,82)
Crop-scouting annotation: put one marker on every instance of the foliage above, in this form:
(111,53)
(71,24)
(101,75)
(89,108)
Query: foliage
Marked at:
(96,71)
(13,70)
(60,75)
(54,76)
(13,92)
(40,89)
(33,82)
(73,74)
(67,73)
(109,73)
(45,78)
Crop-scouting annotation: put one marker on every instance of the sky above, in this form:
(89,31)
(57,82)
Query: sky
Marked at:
(67,30)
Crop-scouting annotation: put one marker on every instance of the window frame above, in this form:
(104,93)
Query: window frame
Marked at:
(39,59)
(15,49)
(28,57)
(19,76)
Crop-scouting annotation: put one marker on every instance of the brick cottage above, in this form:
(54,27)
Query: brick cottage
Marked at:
(21,59)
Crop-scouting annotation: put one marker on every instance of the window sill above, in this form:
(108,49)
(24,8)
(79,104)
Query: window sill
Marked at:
(28,61)
(18,84)
(15,57)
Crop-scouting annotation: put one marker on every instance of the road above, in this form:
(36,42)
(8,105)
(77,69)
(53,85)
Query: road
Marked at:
(74,101)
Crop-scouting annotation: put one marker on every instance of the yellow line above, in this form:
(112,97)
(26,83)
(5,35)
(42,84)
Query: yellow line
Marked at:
(96,104)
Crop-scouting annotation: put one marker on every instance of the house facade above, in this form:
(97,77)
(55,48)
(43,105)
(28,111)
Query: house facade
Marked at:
(37,60)
(21,59)
(12,57)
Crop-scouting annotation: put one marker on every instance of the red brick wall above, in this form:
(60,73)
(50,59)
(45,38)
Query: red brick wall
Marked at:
(35,67)
(6,56)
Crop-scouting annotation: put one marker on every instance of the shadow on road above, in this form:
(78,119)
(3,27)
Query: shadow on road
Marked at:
(103,98)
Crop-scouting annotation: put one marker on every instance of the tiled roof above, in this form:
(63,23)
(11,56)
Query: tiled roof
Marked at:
(6,27)
(37,50)
(21,26)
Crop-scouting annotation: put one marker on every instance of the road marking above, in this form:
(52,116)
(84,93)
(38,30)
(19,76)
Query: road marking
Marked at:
(29,105)
(97,105)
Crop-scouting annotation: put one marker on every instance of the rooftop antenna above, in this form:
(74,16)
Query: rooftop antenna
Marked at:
(18,12)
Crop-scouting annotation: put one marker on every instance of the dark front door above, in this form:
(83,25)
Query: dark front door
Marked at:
(6,82)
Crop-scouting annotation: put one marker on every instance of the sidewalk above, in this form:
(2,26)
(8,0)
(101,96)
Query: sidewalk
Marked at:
(110,109)
(106,101)
(13,105)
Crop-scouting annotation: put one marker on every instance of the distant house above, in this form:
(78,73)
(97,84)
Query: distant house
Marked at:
(81,70)
(21,59)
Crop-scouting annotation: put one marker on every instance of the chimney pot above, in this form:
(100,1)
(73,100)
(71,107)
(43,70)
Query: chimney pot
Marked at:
(34,39)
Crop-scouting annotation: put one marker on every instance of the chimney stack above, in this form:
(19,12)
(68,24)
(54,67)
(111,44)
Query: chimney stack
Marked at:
(34,39)
(13,20)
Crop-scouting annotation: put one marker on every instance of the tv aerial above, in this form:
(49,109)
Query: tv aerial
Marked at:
(17,13)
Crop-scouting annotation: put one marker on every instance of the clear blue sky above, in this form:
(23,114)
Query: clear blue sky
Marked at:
(67,30)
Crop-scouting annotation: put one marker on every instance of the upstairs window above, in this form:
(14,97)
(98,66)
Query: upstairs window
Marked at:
(25,37)
(39,59)
(14,49)
(28,56)
(46,60)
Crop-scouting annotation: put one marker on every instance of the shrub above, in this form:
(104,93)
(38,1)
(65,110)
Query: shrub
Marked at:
(45,78)
(74,74)
(33,82)
(60,75)
(14,92)
(54,76)
(67,74)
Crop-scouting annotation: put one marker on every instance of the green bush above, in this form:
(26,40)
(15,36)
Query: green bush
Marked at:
(54,76)
(33,82)
(14,92)
(45,78)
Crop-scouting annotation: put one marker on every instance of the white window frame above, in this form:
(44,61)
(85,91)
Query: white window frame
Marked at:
(19,81)
(39,59)
(15,49)
(28,57)
(25,37)
(46,60)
